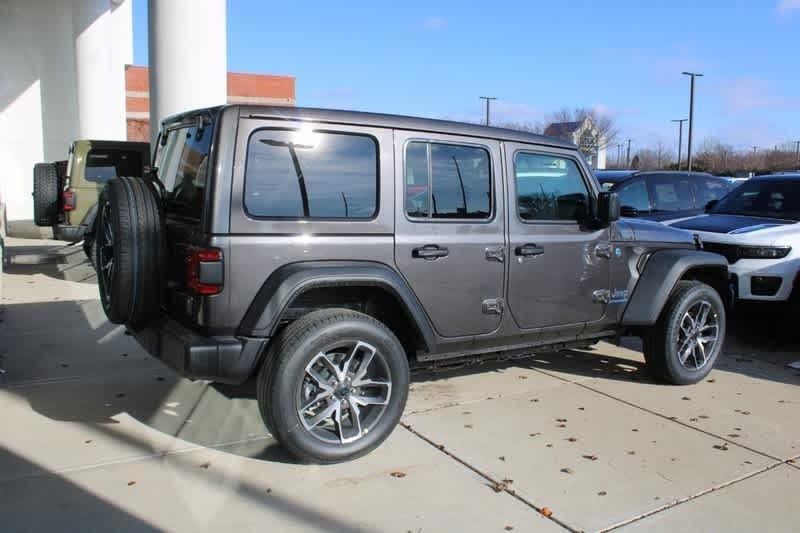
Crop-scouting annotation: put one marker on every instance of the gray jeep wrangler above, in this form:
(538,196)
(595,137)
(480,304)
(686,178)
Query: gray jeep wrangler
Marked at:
(328,252)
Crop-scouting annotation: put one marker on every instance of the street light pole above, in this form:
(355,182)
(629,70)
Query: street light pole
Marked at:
(628,156)
(680,122)
(691,75)
(797,155)
(488,99)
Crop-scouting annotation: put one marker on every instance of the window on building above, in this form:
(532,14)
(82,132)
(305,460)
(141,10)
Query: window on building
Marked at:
(549,188)
(447,181)
(311,174)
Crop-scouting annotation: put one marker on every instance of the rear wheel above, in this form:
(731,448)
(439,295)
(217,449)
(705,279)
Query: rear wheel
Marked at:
(129,251)
(333,386)
(45,194)
(684,344)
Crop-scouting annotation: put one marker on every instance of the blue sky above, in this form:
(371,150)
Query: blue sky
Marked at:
(622,57)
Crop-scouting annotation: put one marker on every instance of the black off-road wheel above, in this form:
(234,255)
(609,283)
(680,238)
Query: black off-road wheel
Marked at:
(333,385)
(684,344)
(45,194)
(130,251)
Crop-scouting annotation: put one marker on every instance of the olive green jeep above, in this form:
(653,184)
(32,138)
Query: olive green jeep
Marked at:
(65,192)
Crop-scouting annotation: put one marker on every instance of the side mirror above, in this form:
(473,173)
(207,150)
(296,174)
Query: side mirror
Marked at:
(711,205)
(608,209)
(628,211)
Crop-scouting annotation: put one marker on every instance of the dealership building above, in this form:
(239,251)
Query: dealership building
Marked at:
(67,74)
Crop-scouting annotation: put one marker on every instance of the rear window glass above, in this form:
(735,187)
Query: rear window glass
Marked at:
(183,168)
(311,174)
(105,164)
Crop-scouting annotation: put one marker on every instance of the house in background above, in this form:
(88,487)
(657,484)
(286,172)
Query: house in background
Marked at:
(585,135)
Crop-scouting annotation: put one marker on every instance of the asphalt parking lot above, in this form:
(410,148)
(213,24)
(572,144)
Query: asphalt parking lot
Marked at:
(97,435)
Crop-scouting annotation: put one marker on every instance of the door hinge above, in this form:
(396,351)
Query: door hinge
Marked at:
(497,253)
(492,306)
(603,250)
(602,296)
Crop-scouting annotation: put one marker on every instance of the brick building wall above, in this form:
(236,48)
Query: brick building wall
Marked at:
(263,89)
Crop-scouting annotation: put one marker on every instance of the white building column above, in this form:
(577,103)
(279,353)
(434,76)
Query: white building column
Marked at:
(103,42)
(188,56)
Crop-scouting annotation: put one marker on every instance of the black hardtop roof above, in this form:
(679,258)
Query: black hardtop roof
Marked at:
(361,118)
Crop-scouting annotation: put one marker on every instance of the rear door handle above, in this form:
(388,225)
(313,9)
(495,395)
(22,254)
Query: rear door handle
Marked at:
(528,250)
(429,252)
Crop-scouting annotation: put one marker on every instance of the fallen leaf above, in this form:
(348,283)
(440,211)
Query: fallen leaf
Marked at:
(87,441)
(534,399)
(581,409)
(567,470)
(269,491)
(441,446)
(561,425)
(561,419)
(549,445)
(571,439)
(502,457)
(120,395)
(602,493)
(734,435)
(631,452)
(131,483)
(534,434)
(466,413)
(522,377)
(508,481)
(124,355)
(546,512)
(634,429)
(711,380)
(398,474)
(685,398)
(723,447)
(704,417)
(509,528)
(498,486)
(693,419)
(468,426)
(205,465)
(590,457)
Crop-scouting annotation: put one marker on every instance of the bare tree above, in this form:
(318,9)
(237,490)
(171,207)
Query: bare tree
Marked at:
(530,127)
(606,125)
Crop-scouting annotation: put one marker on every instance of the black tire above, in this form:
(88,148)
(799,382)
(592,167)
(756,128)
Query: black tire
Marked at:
(130,251)
(282,383)
(45,194)
(663,341)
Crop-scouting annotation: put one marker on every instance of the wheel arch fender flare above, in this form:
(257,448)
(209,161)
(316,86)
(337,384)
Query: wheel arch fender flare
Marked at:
(291,280)
(661,272)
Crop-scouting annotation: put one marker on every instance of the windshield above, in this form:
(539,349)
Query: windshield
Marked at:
(773,198)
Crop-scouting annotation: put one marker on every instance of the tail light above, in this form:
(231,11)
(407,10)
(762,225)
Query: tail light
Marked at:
(69,200)
(204,271)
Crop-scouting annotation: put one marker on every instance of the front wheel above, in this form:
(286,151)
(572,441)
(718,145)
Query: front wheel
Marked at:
(333,386)
(683,345)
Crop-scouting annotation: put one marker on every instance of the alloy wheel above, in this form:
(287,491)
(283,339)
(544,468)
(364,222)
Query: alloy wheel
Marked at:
(698,335)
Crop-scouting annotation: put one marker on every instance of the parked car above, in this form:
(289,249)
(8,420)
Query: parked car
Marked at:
(664,195)
(326,252)
(65,192)
(756,227)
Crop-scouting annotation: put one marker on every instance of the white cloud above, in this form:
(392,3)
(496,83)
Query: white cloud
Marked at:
(787,7)
(434,23)
(747,94)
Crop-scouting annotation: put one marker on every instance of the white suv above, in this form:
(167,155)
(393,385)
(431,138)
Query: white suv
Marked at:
(757,228)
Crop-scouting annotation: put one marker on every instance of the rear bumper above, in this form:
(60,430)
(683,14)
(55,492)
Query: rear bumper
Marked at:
(65,232)
(221,359)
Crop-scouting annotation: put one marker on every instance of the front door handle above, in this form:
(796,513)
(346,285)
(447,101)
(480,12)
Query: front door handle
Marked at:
(429,252)
(528,250)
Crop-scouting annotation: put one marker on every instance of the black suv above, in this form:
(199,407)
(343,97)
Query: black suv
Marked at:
(327,252)
(663,195)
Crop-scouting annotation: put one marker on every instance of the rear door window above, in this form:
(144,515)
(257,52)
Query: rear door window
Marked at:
(183,168)
(670,194)
(304,174)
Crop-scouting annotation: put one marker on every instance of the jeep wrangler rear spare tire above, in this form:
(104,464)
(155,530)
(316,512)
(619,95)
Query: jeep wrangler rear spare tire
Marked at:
(333,385)
(683,345)
(45,194)
(130,251)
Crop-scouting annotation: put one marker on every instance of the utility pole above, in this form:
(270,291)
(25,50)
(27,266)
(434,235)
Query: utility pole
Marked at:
(797,155)
(680,122)
(619,154)
(488,99)
(692,75)
(628,156)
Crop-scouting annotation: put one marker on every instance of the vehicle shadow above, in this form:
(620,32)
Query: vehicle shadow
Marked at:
(58,261)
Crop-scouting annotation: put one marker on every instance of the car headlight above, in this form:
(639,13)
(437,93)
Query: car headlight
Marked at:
(763,252)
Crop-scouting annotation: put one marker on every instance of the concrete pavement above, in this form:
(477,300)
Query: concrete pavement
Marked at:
(97,435)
